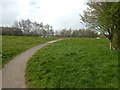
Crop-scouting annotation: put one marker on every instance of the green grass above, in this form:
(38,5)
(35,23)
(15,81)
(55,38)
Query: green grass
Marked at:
(14,45)
(73,63)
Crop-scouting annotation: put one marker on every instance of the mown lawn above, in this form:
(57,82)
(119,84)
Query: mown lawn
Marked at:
(74,63)
(14,45)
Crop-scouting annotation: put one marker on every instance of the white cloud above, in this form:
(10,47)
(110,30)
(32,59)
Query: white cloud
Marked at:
(58,13)
(9,12)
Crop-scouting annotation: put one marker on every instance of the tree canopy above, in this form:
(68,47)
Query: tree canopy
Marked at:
(104,17)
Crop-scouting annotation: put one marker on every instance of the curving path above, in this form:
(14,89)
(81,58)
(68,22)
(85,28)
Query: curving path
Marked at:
(13,74)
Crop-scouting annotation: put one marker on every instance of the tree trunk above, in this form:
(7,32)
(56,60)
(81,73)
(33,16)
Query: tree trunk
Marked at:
(111,47)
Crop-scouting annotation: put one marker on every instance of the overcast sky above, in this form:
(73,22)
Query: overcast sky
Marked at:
(58,13)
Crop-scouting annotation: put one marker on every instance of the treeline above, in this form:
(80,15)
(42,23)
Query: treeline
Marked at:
(29,28)
(77,33)
(14,31)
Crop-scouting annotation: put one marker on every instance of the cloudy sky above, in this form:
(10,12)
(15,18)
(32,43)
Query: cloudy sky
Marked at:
(58,13)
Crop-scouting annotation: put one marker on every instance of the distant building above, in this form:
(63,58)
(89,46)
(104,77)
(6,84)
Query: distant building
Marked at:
(10,31)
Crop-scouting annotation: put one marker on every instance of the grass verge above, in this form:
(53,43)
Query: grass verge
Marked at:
(14,45)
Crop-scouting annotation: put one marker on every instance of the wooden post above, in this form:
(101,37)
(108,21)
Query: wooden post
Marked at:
(110,45)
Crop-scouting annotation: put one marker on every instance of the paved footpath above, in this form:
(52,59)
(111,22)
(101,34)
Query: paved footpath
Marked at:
(13,74)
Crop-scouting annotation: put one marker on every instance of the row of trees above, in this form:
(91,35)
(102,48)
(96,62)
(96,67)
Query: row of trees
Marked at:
(78,33)
(12,31)
(28,28)
(104,17)
(34,28)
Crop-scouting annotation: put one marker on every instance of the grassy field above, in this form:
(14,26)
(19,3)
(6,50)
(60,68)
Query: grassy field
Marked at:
(74,63)
(14,45)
